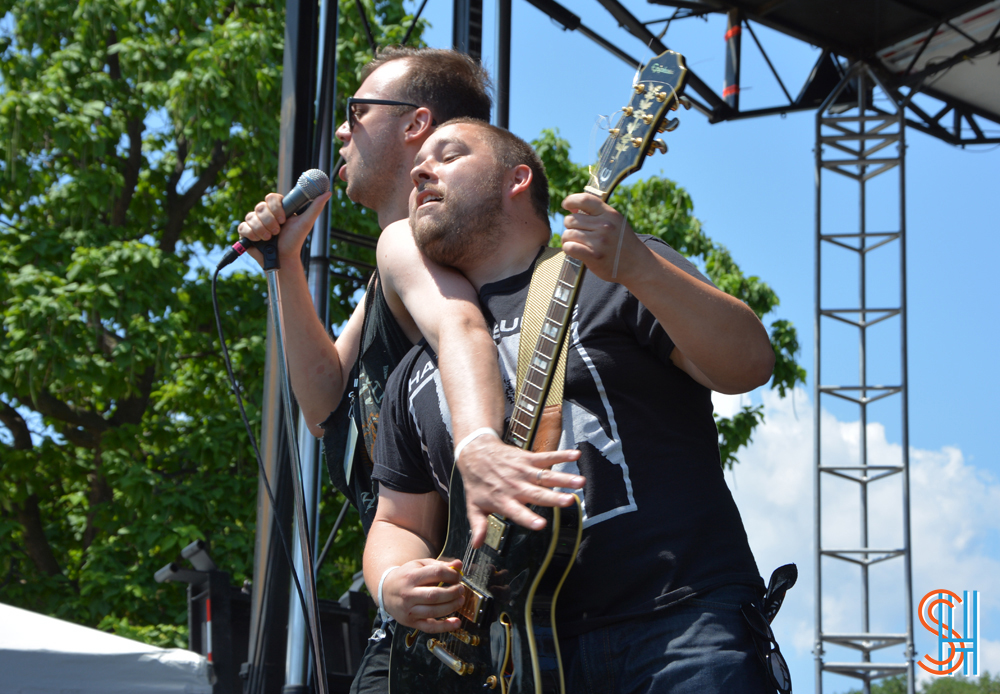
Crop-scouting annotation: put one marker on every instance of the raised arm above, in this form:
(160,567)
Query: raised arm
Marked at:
(318,367)
(443,306)
(718,340)
(407,533)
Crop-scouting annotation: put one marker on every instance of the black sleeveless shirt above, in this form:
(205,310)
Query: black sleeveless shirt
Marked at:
(383,345)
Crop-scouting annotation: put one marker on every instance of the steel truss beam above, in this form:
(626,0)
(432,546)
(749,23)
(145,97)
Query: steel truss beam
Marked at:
(861,143)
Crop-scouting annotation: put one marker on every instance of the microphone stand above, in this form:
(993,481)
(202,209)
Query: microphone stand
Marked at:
(302,525)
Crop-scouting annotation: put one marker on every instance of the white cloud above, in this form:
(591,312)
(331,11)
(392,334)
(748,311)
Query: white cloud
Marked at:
(954,530)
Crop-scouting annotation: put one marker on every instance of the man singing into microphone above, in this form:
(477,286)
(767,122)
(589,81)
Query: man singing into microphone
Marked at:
(405,93)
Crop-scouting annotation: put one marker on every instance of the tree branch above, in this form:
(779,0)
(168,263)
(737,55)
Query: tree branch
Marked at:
(132,165)
(13,420)
(133,127)
(130,410)
(100,494)
(178,206)
(29,515)
(51,406)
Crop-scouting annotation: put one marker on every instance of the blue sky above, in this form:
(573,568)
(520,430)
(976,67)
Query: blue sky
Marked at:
(752,183)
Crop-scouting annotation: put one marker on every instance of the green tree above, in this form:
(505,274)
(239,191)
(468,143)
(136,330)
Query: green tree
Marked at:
(132,132)
(985,684)
(660,207)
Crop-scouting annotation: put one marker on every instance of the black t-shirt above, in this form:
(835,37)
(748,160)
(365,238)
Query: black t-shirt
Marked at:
(660,523)
(383,345)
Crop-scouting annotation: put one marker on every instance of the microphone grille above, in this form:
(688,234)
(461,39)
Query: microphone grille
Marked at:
(314,183)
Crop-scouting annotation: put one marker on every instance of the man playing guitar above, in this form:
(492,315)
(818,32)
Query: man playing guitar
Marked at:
(656,598)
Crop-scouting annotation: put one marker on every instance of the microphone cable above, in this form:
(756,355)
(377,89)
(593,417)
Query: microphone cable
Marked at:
(260,462)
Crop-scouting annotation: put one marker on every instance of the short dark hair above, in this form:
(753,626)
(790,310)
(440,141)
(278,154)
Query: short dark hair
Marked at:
(449,83)
(510,151)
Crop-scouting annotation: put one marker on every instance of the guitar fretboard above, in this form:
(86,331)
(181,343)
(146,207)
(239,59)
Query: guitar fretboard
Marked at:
(534,389)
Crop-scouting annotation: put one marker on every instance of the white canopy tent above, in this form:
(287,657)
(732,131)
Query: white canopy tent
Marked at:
(40,654)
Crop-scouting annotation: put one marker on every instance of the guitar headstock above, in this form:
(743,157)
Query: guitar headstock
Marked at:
(656,91)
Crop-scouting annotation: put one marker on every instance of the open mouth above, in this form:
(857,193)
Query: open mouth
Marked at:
(427,197)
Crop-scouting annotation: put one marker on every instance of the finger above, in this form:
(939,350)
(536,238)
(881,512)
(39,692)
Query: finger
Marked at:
(258,231)
(584,202)
(312,214)
(245,231)
(437,597)
(559,480)
(540,496)
(437,572)
(523,516)
(266,217)
(477,523)
(437,626)
(274,201)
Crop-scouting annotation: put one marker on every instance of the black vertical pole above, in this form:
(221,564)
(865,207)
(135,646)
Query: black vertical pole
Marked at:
(731,87)
(467,28)
(503,63)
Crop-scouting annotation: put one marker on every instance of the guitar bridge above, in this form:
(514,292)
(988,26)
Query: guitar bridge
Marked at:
(475,605)
(448,658)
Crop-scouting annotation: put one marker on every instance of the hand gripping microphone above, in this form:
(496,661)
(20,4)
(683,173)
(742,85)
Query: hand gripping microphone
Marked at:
(310,186)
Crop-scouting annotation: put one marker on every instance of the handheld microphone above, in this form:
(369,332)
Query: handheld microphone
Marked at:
(310,186)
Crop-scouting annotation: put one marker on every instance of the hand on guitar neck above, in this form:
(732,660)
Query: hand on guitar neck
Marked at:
(504,479)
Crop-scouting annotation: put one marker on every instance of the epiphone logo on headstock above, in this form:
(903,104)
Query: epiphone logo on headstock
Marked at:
(661,68)
(605,173)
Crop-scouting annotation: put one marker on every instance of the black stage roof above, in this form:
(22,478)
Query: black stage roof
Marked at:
(938,57)
(854,29)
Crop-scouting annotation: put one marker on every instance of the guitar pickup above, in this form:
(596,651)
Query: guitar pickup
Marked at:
(475,605)
(496,533)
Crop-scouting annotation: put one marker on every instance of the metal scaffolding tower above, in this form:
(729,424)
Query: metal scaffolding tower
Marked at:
(855,139)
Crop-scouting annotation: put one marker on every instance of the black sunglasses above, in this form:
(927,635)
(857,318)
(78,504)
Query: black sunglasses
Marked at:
(767,649)
(352,117)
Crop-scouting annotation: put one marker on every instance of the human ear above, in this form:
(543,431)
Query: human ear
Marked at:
(520,178)
(419,125)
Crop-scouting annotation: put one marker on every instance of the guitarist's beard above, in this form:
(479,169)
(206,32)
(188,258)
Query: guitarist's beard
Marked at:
(466,226)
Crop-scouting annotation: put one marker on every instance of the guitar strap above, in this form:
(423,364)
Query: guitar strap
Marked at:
(543,284)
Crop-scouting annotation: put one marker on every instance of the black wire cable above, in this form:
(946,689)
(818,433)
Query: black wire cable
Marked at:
(260,463)
(413,23)
(368,29)
(329,540)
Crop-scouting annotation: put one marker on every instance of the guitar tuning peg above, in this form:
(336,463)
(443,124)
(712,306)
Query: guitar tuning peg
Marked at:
(659,145)
(636,142)
(627,110)
(647,119)
(661,96)
(613,132)
(668,126)
(640,88)
(685,102)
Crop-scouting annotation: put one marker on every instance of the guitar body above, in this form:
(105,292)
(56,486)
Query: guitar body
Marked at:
(507,643)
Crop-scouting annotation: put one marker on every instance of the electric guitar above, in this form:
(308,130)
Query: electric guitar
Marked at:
(507,642)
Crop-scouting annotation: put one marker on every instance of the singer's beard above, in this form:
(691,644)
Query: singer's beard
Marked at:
(464,227)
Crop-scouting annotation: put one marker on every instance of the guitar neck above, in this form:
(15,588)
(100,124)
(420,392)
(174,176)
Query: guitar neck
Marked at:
(655,91)
(538,378)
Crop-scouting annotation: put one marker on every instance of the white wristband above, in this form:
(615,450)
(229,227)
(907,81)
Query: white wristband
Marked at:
(481,431)
(383,615)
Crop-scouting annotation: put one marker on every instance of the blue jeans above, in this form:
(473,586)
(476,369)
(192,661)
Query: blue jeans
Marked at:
(701,645)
